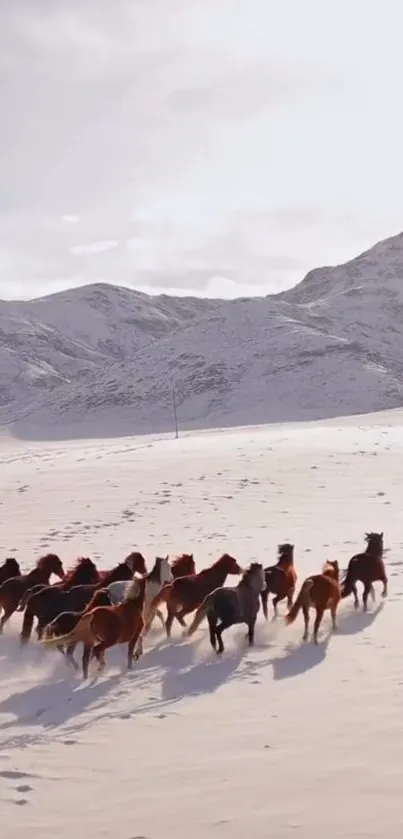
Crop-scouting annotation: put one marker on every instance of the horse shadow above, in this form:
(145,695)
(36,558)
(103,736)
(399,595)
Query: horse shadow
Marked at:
(299,658)
(352,622)
(181,675)
(58,698)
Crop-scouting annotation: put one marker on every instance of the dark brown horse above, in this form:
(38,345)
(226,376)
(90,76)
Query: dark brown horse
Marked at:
(280,579)
(227,606)
(319,592)
(67,621)
(103,627)
(183,565)
(367,568)
(134,561)
(10,568)
(185,594)
(78,598)
(46,602)
(13,590)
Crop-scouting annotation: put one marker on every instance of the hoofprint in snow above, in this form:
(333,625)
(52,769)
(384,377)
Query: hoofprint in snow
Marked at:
(282,740)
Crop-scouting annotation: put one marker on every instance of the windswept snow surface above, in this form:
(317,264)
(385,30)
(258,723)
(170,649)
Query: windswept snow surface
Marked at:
(285,740)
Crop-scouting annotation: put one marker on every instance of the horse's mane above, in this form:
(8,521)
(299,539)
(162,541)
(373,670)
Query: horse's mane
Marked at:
(331,569)
(182,560)
(82,562)
(10,562)
(43,563)
(155,572)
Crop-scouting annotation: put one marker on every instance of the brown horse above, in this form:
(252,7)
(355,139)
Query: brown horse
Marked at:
(367,568)
(185,594)
(319,592)
(134,561)
(46,602)
(183,566)
(280,579)
(67,621)
(10,568)
(78,597)
(13,589)
(103,627)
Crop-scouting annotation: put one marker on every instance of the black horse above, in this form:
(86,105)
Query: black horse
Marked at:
(232,605)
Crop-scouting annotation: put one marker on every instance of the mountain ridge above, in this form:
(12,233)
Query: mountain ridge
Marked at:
(331,345)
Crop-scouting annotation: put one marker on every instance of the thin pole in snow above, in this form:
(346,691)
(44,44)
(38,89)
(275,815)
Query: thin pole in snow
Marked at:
(175,413)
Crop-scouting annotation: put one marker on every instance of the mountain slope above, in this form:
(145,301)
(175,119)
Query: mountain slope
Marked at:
(332,345)
(59,339)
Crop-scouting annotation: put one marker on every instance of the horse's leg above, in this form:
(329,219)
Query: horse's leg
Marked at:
(85,661)
(212,630)
(290,597)
(251,632)
(384,580)
(69,658)
(160,616)
(305,611)
(354,592)
(219,631)
(276,601)
(319,615)
(264,595)
(169,621)
(366,593)
(135,647)
(8,611)
(333,611)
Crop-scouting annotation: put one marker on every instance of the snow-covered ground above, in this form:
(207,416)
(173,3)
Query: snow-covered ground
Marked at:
(284,740)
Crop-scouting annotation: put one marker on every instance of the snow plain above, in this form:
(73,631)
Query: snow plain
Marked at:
(285,740)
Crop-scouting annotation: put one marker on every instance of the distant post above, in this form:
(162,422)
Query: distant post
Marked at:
(175,413)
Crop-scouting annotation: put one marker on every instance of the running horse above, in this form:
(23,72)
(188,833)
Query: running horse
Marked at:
(185,594)
(320,592)
(368,568)
(14,588)
(227,606)
(45,602)
(104,626)
(10,568)
(280,579)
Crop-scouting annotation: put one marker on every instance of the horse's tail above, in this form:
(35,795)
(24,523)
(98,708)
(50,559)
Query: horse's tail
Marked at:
(27,625)
(81,630)
(201,613)
(301,599)
(159,598)
(349,580)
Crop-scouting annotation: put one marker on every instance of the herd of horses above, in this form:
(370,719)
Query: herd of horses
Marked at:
(102,608)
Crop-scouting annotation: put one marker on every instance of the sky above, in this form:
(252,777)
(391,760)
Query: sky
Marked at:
(210,147)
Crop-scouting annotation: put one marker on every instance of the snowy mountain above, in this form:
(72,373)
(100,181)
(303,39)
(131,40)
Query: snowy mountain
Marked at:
(333,345)
(58,339)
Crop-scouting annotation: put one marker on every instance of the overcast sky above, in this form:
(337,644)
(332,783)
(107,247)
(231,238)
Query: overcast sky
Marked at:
(212,146)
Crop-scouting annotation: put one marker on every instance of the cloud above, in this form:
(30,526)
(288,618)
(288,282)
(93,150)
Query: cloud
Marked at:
(94,247)
(213,141)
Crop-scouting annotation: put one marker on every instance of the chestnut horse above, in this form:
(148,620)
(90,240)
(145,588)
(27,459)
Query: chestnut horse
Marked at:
(78,598)
(104,626)
(280,579)
(227,606)
(44,602)
(13,589)
(367,568)
(67,621)
(10,568)
(183,565)
(185,594)
(319,592)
